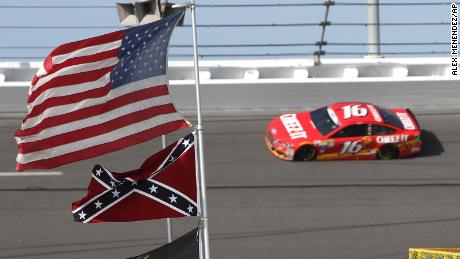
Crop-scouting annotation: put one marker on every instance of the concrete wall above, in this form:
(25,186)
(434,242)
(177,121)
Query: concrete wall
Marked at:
(247,71)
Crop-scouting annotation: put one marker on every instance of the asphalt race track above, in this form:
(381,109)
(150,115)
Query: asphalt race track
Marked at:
(259,206)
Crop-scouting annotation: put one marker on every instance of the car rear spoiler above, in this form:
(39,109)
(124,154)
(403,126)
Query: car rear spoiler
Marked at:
(413,117)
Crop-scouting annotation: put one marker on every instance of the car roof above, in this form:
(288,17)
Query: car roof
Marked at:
(348,113)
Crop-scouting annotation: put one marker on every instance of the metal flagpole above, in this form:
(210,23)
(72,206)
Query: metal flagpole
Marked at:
(199,146)
(168,220)
(163,141)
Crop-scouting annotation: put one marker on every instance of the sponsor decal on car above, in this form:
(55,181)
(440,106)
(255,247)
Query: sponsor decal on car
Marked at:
(406,121)
(415,149)
(293,126)
(392,139)
(374,112)
(324,144)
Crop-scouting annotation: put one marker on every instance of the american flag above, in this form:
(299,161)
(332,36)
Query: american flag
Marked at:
(165,186)
(97,96)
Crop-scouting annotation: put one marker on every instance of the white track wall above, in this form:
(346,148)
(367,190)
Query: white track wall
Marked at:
(276,71)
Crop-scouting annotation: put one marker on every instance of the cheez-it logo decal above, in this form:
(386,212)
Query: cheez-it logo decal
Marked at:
(293,126)
(392,139)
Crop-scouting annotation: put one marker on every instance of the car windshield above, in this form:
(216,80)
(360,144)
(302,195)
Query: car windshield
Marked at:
(323,121)
(390,117)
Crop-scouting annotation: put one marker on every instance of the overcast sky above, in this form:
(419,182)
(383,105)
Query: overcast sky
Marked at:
(304,34)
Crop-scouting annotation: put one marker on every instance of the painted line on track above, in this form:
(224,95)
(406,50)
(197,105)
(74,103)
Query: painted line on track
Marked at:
(31,174)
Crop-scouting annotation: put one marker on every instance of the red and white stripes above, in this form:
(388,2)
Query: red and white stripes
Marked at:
(73,114)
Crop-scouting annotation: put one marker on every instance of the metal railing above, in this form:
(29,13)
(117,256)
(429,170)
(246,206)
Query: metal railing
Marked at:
(264,48)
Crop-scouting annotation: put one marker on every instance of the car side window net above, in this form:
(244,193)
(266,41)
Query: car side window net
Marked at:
(358,130)
(381,130)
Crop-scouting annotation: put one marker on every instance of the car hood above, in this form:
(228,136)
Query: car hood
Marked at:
(294,128)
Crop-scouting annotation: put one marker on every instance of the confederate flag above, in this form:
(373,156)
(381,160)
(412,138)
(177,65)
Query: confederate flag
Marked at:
(165,186)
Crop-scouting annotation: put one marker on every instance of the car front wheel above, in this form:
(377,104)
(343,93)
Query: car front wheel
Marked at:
(305,153)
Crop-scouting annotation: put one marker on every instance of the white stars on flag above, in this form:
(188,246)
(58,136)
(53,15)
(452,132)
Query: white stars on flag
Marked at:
(98,204)
(186,142)
(98,172)
(173,199)
(153,188)
(116,194)
(82,215)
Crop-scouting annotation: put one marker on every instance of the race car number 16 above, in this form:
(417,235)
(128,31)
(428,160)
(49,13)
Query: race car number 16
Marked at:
(355,111)
(351,147)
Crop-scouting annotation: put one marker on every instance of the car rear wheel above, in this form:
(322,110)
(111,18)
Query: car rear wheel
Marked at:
(387,152)
(305,153)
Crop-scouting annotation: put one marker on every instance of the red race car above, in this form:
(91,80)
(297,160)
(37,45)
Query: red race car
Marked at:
(349,130)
